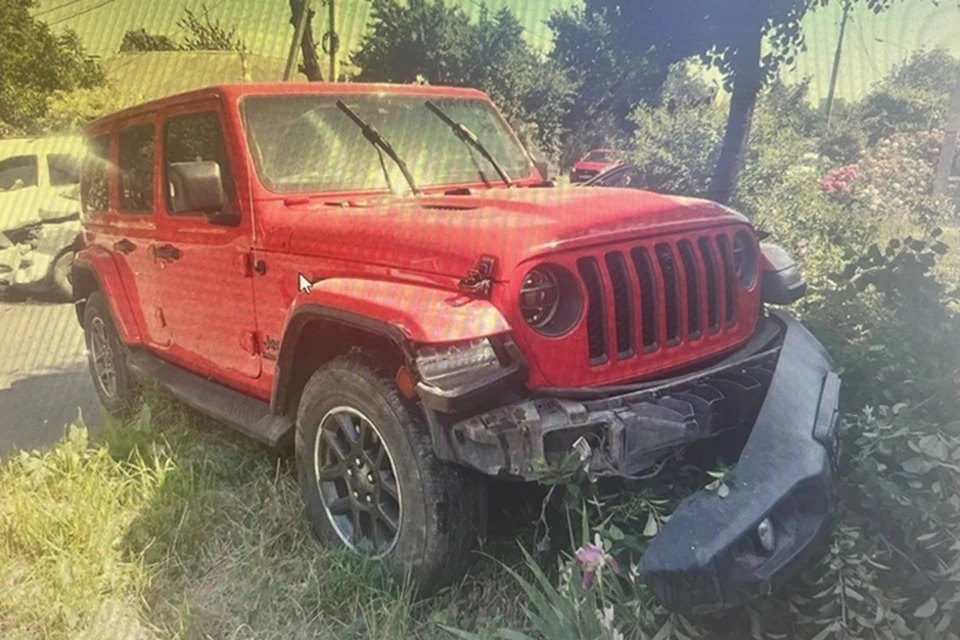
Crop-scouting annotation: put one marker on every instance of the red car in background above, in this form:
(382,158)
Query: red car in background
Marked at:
(594,163)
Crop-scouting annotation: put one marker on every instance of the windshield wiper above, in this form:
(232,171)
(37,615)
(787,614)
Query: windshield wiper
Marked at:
(371,134)
(470,138)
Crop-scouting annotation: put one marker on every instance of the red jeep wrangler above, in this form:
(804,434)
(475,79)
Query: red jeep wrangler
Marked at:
(382,276)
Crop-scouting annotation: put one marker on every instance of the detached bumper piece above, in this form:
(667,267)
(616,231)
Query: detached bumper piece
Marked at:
(718,553)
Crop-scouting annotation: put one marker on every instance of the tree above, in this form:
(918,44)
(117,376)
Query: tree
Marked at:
(35,63)
(727,34)
(610,80)
(437,43)
(205,34)
(140,40)
(310,66)
(201,33)
(913,97)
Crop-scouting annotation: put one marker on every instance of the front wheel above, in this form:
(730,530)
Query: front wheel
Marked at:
(370,479)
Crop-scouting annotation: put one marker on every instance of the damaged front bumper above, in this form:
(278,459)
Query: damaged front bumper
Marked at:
(714,553)
(27,255)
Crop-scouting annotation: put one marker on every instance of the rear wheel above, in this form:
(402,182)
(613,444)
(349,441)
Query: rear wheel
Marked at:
(107,356)
(370,479)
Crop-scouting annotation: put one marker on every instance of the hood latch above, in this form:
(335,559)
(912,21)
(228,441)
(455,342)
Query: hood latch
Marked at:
(479,280)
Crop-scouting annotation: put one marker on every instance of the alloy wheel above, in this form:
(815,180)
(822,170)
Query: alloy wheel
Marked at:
(102,355)
(357,481)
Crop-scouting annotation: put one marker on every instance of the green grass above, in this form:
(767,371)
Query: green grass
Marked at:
(173,527)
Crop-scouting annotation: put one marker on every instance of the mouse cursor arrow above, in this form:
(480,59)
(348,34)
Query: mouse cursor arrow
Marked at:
(304,285)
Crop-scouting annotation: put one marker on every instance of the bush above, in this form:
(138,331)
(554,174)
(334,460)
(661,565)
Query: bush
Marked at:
(894,181)
(70,111)
(675,151)
(912,98)
(676,142)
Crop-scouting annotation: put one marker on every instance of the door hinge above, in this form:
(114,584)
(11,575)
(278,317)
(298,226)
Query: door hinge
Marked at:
(250,265)
(246,265)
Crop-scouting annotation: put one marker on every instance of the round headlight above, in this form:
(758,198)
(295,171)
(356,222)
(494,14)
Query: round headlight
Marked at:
(550,300)
(745,258)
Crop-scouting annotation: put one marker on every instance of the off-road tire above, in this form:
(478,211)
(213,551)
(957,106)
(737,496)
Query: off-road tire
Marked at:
(60,284)
(97,317)
(443,507)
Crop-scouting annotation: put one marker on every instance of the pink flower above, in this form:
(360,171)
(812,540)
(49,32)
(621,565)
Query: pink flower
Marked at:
(591,558)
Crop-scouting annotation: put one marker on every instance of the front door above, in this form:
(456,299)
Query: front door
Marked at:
(204,267)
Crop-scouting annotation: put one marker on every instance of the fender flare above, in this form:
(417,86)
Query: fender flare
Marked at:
(100,266)
(404,314)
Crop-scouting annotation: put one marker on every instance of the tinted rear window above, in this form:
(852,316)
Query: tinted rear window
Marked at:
(135,163)
(95,182)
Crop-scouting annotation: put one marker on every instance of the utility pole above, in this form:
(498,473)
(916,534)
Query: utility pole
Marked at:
(949,147)
(297,39)
(331,41)
(847,6)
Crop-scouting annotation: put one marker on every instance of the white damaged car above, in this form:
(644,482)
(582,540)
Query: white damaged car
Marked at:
(39,213)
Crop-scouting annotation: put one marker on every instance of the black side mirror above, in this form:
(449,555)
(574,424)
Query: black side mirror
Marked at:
(198,187)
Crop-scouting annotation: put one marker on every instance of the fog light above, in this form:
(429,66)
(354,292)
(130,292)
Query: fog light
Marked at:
(768,539)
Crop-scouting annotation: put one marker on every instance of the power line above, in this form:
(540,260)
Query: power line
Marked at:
(52,9)
(81,12)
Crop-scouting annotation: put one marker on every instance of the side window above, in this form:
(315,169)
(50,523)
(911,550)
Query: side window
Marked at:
(196,137)
(95,182)
(136,169)
(64,170)
(18,172)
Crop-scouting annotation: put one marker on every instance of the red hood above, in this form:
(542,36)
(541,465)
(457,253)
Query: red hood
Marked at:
(445,235)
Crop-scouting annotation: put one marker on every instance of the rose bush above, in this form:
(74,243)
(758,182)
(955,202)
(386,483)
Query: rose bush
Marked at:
(894,181)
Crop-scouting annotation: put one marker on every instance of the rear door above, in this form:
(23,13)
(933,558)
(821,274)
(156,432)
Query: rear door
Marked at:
(119,210)
(205,267)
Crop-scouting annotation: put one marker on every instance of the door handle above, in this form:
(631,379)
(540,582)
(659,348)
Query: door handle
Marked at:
(124,246)
(167,252)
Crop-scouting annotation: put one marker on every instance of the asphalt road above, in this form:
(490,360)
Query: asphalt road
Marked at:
(44,379)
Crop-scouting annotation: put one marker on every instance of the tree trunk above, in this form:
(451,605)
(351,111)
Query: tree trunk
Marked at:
(747,82)
(310,66)
(949,148)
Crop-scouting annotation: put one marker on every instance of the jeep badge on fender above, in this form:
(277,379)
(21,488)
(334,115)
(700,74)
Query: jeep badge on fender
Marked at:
(432,312)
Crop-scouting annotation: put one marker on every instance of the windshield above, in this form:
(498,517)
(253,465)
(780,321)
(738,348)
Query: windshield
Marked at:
(306,144)
(600,156)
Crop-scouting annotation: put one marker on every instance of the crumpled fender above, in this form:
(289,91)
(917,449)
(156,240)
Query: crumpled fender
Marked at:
(57,236)
(417,313)
(101,265)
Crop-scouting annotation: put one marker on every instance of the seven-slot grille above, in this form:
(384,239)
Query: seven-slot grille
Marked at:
(660,296)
